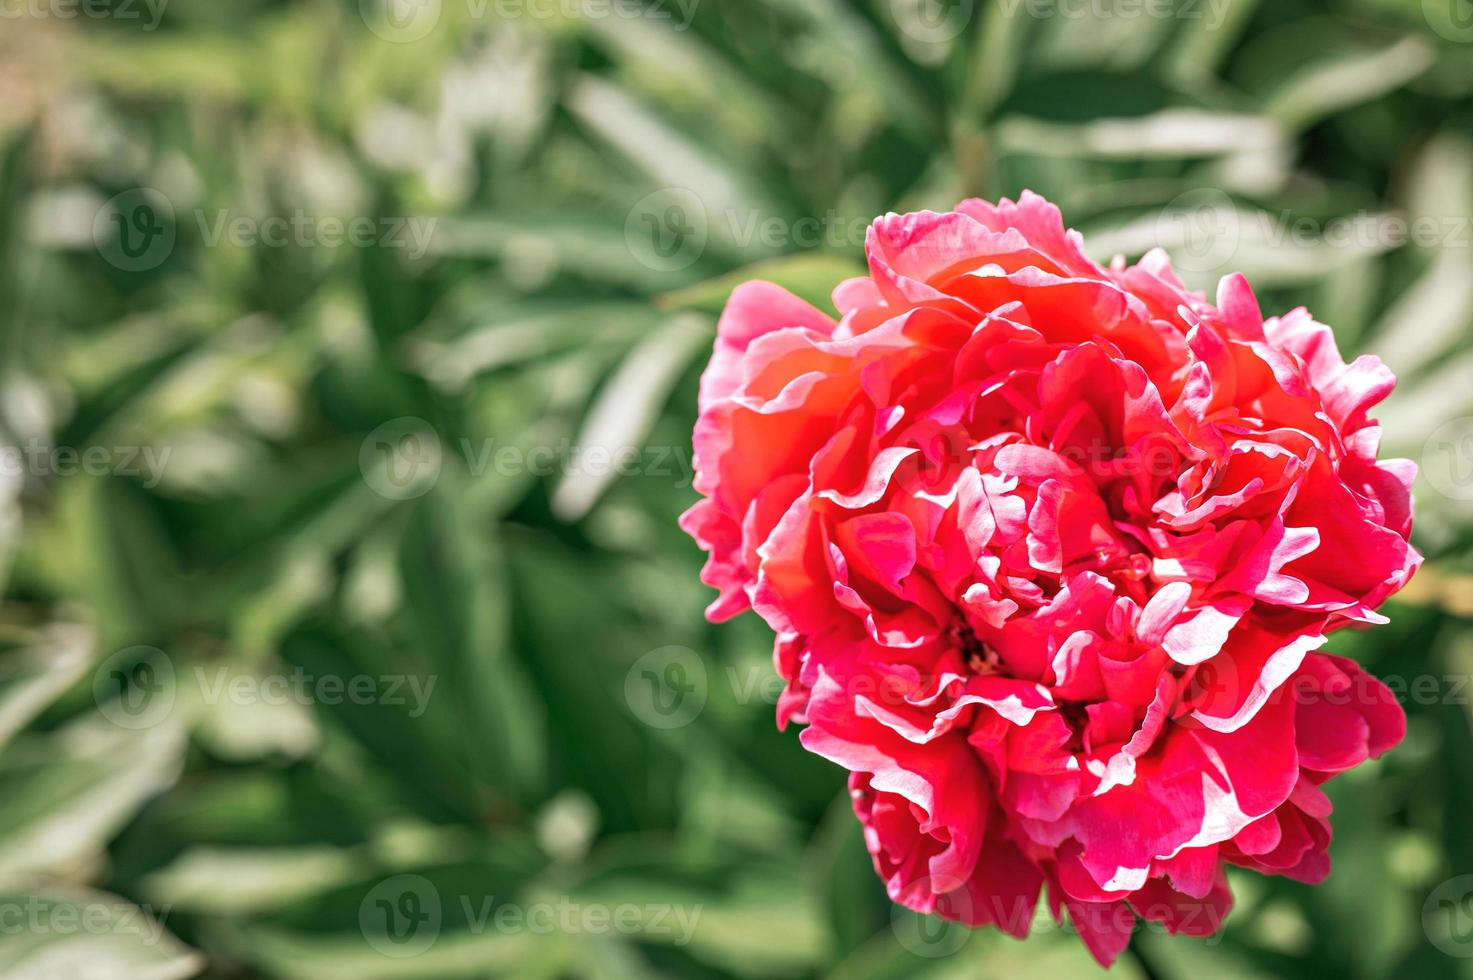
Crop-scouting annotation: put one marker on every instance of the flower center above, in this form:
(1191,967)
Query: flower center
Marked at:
(977,655)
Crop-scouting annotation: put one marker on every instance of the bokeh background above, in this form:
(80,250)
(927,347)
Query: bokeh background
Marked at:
(349,364)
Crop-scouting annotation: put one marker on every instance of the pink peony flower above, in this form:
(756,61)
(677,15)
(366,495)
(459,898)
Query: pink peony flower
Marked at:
(1049,549)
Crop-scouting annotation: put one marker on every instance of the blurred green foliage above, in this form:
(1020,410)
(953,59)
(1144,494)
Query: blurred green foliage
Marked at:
(558,196)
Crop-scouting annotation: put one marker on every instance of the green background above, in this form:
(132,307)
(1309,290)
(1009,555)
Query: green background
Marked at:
(590,185)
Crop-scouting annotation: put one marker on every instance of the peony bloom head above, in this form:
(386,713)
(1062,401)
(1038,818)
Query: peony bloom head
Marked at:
(1050,550)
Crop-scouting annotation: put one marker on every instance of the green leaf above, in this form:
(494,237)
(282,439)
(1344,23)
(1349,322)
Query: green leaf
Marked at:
(810,276)
(31,680)
(626,407)
(1343,80)
(219,881)
(308,956)
(839,865)
(455,590)
(63,796)
(761,923)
